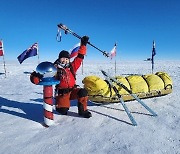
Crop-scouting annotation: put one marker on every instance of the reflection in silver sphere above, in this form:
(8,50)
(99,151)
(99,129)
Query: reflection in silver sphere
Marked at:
(47,69)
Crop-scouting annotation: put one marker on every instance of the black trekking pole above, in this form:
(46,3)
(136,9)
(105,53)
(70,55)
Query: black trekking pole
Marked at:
(67,30)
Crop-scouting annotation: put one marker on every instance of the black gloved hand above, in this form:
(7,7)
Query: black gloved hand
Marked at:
(35,74)
(35,77)
(84,40)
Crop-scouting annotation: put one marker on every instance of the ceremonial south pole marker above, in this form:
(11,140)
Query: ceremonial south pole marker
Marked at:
(48,71)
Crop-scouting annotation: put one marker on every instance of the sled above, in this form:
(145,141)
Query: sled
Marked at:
(144,86)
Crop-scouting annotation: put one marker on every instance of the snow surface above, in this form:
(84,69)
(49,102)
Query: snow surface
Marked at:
(108,131)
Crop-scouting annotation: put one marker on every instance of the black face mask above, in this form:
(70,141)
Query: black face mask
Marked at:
(61,65)
(64,65)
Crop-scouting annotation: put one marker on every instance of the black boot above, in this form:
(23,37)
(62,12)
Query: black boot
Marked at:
(81,112)
(62,110)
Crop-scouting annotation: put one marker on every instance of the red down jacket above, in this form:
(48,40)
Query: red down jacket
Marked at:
(67,75)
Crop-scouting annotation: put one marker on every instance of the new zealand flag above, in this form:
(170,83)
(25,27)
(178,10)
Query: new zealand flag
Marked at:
(32,51)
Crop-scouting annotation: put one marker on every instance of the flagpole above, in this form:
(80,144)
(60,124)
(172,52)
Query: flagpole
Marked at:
(3,58)
(38,58)
(115,58)
(115,66)
(4,66)
(113,54)
(153,54)
(82,67)
(152,61)
(38,53)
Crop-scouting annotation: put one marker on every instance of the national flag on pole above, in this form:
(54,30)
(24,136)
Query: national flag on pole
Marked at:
(153,54)
(1,48)
(74,50)
(113,52)
(153,49)
(2,54)
(32,51)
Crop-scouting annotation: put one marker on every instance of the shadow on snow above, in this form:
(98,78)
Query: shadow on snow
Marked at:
(2,73)
(34,112)
(31,111)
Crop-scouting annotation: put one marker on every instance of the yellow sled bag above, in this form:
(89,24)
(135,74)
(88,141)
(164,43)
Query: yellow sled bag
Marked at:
(144,86)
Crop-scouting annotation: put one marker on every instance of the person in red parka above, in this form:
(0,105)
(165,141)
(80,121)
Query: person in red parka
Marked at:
(67,90)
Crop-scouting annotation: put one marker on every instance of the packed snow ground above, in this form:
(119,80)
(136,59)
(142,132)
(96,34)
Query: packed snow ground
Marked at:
(108,131)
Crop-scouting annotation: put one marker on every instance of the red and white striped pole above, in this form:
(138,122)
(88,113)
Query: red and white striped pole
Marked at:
(47,70)
(48,105)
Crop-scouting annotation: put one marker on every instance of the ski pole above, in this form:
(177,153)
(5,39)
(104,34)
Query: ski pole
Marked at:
(122,102)
(130,92)
(67,30)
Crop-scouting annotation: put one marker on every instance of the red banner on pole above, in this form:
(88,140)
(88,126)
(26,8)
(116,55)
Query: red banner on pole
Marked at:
(1,48)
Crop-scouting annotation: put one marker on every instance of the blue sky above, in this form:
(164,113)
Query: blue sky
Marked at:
(132,24)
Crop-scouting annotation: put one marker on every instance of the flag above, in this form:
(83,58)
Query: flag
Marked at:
(1,48)
(153,49)
(113,51)
(74,50)
(32,51)
(153,54)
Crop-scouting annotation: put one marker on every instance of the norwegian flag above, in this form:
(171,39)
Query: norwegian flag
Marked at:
(1,48)
(113,52)
(32,51)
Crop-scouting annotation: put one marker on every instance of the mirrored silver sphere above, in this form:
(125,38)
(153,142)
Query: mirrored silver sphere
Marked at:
(47,69)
